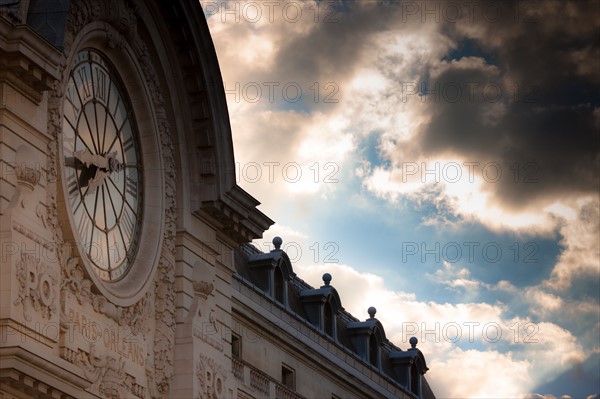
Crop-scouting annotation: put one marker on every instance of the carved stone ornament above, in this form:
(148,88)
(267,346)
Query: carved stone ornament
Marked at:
(94,366)
(74,280)
(105,368)
(26,169)
(211,377)
(106,372)
(27,177)
(164,336)
(203,288)
(134,316)
(28,174)
(203,281)
(37,287)
(16,11)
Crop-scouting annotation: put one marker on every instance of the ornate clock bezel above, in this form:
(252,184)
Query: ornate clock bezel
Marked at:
(130,287)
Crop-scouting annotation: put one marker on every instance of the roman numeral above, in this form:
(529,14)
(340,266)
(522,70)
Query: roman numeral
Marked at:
(73,98)
(83,226)
(100,84)
(74,194)
(128,144)
(131,185)
(84,85)
(114,248)
(114,111)
(127,222)
(72,184)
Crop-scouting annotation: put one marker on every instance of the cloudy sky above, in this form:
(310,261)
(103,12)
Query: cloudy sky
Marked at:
(441,161)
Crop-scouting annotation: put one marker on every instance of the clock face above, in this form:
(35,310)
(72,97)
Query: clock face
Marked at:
(102,166)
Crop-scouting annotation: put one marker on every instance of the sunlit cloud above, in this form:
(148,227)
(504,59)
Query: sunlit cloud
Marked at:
(539,350)
(581,254)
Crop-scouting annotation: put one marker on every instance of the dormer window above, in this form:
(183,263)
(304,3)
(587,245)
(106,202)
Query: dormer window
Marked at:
(322,306)
(373,351)
(278,291)
(271,271)
(415,380)
(328,319)
(367,337)
(409,367)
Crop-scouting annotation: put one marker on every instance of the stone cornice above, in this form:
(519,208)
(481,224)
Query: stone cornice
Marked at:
(236,216)
(28,57)
(27,372)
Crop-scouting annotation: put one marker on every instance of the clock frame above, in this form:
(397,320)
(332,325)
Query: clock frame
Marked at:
(102,166)
(133,74)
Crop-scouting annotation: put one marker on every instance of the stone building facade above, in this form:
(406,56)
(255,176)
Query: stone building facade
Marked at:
(126,269)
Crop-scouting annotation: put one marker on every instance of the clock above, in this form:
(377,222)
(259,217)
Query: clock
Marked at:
(102,166)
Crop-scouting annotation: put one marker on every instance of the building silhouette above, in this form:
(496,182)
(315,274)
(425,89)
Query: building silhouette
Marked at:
(126,265)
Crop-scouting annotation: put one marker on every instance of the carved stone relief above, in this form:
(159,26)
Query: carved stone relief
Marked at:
(28,175)
(135,316)
(107,374)
(203,283)
(211,376)
(37,287)
(15,11)
(164,336)
(116,337)
(74,280)
(202,313)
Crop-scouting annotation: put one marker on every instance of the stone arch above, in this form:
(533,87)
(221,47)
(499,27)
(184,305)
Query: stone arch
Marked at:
(334,300)
(203,141)
(286,266)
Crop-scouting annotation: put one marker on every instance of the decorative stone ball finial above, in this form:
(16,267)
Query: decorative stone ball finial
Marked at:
(277,241)
(413,342)
(327,278)
(372,311)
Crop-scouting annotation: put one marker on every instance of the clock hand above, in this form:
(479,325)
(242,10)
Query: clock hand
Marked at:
(86,175)
(97,180)
(114,165)
(93,175)
(107,162)
(92,159)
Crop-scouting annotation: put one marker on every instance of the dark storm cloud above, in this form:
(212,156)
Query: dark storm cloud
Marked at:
(531,103)
(538,110)
(535,112)
(333,46)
